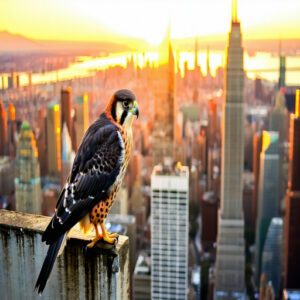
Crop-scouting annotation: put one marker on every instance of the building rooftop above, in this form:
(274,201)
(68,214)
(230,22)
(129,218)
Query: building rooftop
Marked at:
(171,170)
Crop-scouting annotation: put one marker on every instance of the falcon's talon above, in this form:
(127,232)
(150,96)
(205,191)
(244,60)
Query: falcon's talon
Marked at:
(94,241)
(113,235)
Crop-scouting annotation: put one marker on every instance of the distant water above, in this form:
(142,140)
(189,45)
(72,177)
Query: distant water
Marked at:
(262,64)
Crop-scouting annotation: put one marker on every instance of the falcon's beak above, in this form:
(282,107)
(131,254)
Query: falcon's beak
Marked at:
(135,110)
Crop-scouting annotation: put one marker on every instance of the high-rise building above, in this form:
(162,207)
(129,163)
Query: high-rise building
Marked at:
(81,117)
(7,174)
(257,147)
(268,193)
(272,254)
(282,69)
(67,155)
(209,215)
(279,118)
(27,178)
(66,107)
(3,130)
(142,277)
(53,140)
(230,260)
(169,233)
(41,133)
(292,220)
(12,130)
(66,113)
(165,105)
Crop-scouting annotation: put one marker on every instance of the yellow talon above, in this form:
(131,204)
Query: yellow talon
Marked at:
(108,237)
(98,237)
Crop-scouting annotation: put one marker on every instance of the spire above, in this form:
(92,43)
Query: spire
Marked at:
(234,12)
(196,54)
(207,61)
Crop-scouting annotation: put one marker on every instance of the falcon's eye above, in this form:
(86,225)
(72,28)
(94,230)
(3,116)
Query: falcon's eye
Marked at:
(126,104)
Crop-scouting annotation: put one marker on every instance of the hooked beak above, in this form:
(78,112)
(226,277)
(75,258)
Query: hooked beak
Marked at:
(135,110)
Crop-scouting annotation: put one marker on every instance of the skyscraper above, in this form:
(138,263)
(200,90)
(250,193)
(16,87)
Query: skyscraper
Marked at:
(292,220)
(169,233)
(257,146)
(66,107)
(12,130)
(268,193)
(230,261)
(165,104)
(3,130)
(66,113)
(53,140)
(81,116)
(42,141)
(67,155)
(272,254)
(27,178)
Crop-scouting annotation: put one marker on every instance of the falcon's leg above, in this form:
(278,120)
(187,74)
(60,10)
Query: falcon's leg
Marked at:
(108,237)
(98,237)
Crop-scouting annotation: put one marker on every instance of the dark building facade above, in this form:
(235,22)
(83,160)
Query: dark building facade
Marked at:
(292,220)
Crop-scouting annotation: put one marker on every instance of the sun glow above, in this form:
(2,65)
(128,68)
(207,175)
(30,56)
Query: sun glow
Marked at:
(118,20)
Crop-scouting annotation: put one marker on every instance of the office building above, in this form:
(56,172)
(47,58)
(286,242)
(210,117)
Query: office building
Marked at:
(53,140)
(268,195)
(292,207)
(12,130)
(3,130)
(272,254)
(169,233)
(81,117)
(27,176)
(142,277)
(68,154)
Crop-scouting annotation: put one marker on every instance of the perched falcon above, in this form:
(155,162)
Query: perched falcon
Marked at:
(95,177)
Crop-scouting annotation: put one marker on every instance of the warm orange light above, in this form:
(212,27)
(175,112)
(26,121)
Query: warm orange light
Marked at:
(297,104)
(94,20)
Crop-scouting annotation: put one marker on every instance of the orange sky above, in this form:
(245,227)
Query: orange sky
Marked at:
(95,20)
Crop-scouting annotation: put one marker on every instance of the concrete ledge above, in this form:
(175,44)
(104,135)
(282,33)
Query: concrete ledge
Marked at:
(100,273)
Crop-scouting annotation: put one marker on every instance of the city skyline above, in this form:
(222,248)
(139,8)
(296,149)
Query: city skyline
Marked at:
(211,197)
(95,21)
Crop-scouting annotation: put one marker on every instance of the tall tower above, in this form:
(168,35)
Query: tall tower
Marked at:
(66,113)
(268,193)
(3,130)
(292,220)
(68,154)
(230,261)
(12,130)
(169,233)
(81,116)
(53,140)
(27,179)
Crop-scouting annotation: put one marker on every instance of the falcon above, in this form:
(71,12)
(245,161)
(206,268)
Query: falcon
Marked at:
(95,178)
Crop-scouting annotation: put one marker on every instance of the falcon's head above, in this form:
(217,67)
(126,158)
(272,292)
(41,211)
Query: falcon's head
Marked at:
(123,107)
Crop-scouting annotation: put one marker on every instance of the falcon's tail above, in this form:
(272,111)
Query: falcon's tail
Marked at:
(49,261)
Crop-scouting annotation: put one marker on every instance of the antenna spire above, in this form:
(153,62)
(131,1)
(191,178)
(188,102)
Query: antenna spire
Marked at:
(234,11)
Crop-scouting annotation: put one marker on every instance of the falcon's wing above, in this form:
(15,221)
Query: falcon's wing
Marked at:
(95,169)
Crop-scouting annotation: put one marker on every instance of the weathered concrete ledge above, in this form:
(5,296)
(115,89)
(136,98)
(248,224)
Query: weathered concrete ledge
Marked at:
(100,273)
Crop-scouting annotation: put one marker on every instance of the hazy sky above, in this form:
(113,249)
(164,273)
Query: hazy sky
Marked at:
(95,19)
